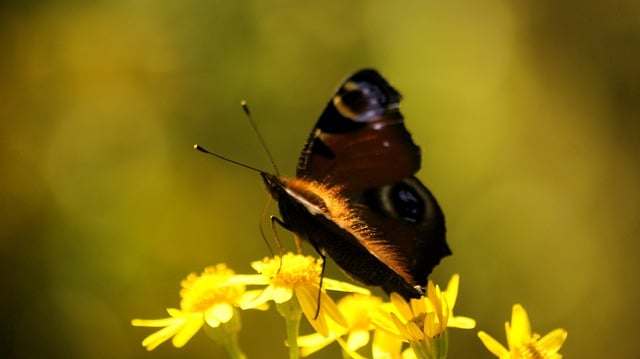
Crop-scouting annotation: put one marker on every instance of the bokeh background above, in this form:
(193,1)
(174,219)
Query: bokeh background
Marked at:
(527,113)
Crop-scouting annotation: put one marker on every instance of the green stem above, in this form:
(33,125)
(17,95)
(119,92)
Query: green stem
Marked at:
(293,326)
(443,344)
(226,335)
(420,350)
(232,347)
(436,348)
(292,314)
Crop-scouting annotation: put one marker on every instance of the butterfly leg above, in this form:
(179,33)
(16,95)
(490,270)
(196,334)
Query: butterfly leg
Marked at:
(264,237)
(298,244)
(265,240)
(322,255)
(275,220)
(324,261)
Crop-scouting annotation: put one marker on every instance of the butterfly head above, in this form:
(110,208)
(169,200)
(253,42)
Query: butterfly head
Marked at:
(275,185)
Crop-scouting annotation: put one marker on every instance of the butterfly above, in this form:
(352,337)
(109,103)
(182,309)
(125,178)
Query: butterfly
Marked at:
(355,197)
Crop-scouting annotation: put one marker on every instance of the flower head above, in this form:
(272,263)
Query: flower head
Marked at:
(300,275)
(206,298)
(522,343)
(422,322)
(356,309)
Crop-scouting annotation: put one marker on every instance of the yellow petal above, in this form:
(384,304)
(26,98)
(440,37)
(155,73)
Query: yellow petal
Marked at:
(256,298)
(308,300)
(248,300)
(328,308)
(435,297)
(443,315)
(401,305)
(315,339)
(176,313)
(154,323)
(249,279)
(554,340)
(218,313)
(461,322)
(259,266)
(409,354)
(382,320)
(414,331)
(331,310)
(310,344)
(385,346)
(347,353)
(493,345)
(451,293)
(251,299)
(357,339)
(520,327)
(432,326)
(188,330)
(162,335)
(336,285)
(280,294)
(418,306)
(400,326)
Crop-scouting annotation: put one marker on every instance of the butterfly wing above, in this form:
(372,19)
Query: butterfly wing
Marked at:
(361,146)
(360,140)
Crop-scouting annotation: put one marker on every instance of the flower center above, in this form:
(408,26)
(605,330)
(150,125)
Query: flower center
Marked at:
(419,319)
(531,351)
(293,269)
(200,293)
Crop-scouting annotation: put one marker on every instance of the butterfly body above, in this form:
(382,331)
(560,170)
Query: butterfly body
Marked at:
(355,197)
(326,219)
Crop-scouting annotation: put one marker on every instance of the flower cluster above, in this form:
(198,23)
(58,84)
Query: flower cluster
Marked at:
(522,343)
(292,282)
(416,328)
(423,322)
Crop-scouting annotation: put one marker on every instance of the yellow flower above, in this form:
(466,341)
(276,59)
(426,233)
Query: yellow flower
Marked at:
(356,309)
(451,295)
(299,275)
(388,346)
(423,322)
(207,298)
(522,343)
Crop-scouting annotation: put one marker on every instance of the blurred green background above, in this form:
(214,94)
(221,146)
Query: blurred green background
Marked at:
(527,113)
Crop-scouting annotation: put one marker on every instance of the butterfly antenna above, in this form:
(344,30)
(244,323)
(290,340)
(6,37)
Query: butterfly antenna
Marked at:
(204,150)
(245,108)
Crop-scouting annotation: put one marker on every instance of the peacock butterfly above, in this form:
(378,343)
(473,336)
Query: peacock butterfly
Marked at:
(355,197)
